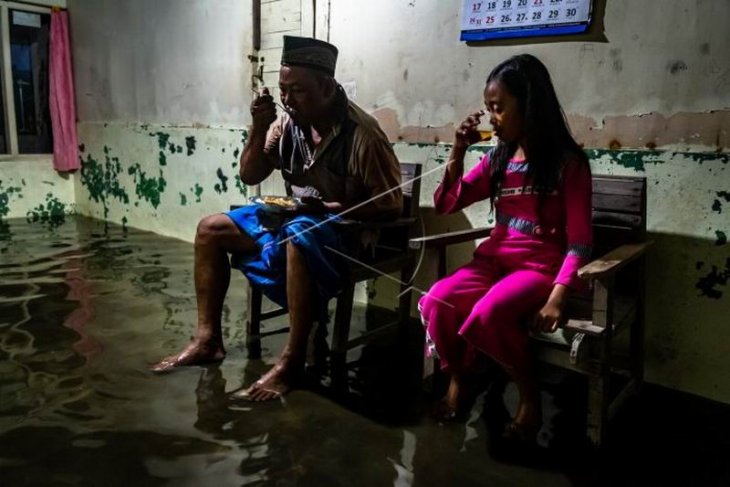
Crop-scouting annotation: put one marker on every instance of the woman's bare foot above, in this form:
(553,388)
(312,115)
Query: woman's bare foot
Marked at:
(196,353)
(277,382)
(452,406)
(526,424)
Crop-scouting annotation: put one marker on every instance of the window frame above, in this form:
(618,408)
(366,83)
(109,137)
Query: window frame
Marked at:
(6,74)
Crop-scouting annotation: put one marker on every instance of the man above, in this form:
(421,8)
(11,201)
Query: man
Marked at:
(334,157)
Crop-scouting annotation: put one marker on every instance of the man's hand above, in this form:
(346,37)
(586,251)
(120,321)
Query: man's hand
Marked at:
(263,110)
(310,204)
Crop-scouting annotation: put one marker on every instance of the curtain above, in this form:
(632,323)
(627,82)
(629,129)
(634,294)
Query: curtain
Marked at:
(62,97)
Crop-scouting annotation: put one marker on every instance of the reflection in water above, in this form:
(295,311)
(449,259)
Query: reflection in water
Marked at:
(86,307)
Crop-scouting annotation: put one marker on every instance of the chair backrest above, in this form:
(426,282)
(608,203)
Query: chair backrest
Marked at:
(394,241)
(410,174)
(619,217)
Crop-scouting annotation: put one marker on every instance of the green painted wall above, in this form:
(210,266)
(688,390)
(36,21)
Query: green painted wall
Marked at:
(31,189)
(156,177)
(165,179)
(688,268)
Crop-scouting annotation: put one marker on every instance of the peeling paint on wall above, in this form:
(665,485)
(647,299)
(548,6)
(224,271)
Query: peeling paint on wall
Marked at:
(198,191)
(5,197)
(102,180)
(221,187)
(721,238)
(717,204)
(52,213)
(715,278)
(162,139)
(680,131)
(148,188)
(190,144)
(240,186)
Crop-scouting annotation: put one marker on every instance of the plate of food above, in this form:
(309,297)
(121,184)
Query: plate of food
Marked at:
(277,204)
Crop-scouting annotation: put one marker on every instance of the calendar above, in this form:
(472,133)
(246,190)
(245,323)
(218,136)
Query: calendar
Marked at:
(499,19)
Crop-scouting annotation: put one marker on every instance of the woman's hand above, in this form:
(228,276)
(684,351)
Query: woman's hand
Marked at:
(467,133)
(550,317)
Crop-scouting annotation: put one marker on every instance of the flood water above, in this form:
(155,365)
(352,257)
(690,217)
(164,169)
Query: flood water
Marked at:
(86,307)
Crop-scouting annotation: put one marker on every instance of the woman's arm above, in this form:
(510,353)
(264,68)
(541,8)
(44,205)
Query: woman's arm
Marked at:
(577,193)
(457,191)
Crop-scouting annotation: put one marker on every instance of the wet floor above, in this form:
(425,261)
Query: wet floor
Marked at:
(86,307)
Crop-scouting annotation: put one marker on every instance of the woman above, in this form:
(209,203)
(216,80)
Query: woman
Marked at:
(538,181)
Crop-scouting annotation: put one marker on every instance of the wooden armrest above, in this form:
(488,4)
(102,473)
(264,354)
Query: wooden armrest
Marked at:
(373,225)
(584,326)
(613,261)
(444,239)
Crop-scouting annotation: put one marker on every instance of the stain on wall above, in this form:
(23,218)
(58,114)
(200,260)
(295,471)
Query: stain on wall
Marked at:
(190,144)
(101,180)
(221,186)
(709,284)
(25,185)
(147,188)
(146,177)
(682,131)
(688,303)
(6,194)
(52,213)
(722,196)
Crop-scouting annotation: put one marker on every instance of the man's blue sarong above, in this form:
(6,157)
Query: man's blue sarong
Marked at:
(266,269)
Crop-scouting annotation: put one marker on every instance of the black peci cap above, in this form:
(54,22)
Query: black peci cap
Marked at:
(309,53)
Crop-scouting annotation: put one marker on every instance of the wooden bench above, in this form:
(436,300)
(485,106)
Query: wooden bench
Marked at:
(586,342)
(391,254)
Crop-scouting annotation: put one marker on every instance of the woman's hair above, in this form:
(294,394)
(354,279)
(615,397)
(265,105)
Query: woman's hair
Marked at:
(548,140)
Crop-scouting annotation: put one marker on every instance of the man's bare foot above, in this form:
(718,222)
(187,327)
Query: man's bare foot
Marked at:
(196,353)
(274,384)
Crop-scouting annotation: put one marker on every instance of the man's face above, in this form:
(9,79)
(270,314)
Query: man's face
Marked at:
(305,95)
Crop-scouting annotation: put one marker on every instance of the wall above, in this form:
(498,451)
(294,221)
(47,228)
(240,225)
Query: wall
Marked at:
(30,188)
(167,61)
(157,177)
(662,78)
(156,77)
(687,270)
(162,93)
(658,84)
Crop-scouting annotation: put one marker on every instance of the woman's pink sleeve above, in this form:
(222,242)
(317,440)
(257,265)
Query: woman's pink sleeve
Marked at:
(577,193)
(466,190)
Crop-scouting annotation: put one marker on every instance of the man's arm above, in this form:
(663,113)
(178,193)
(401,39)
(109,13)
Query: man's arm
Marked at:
(258,159)
(380,171)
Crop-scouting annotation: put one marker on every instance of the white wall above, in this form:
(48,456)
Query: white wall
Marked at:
(30,186)
(171,61)
(669,58)
(179,68)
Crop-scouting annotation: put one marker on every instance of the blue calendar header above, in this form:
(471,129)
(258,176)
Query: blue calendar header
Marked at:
(500,19)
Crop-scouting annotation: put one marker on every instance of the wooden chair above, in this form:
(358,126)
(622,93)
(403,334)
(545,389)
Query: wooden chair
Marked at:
(391,254)
(586,342)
